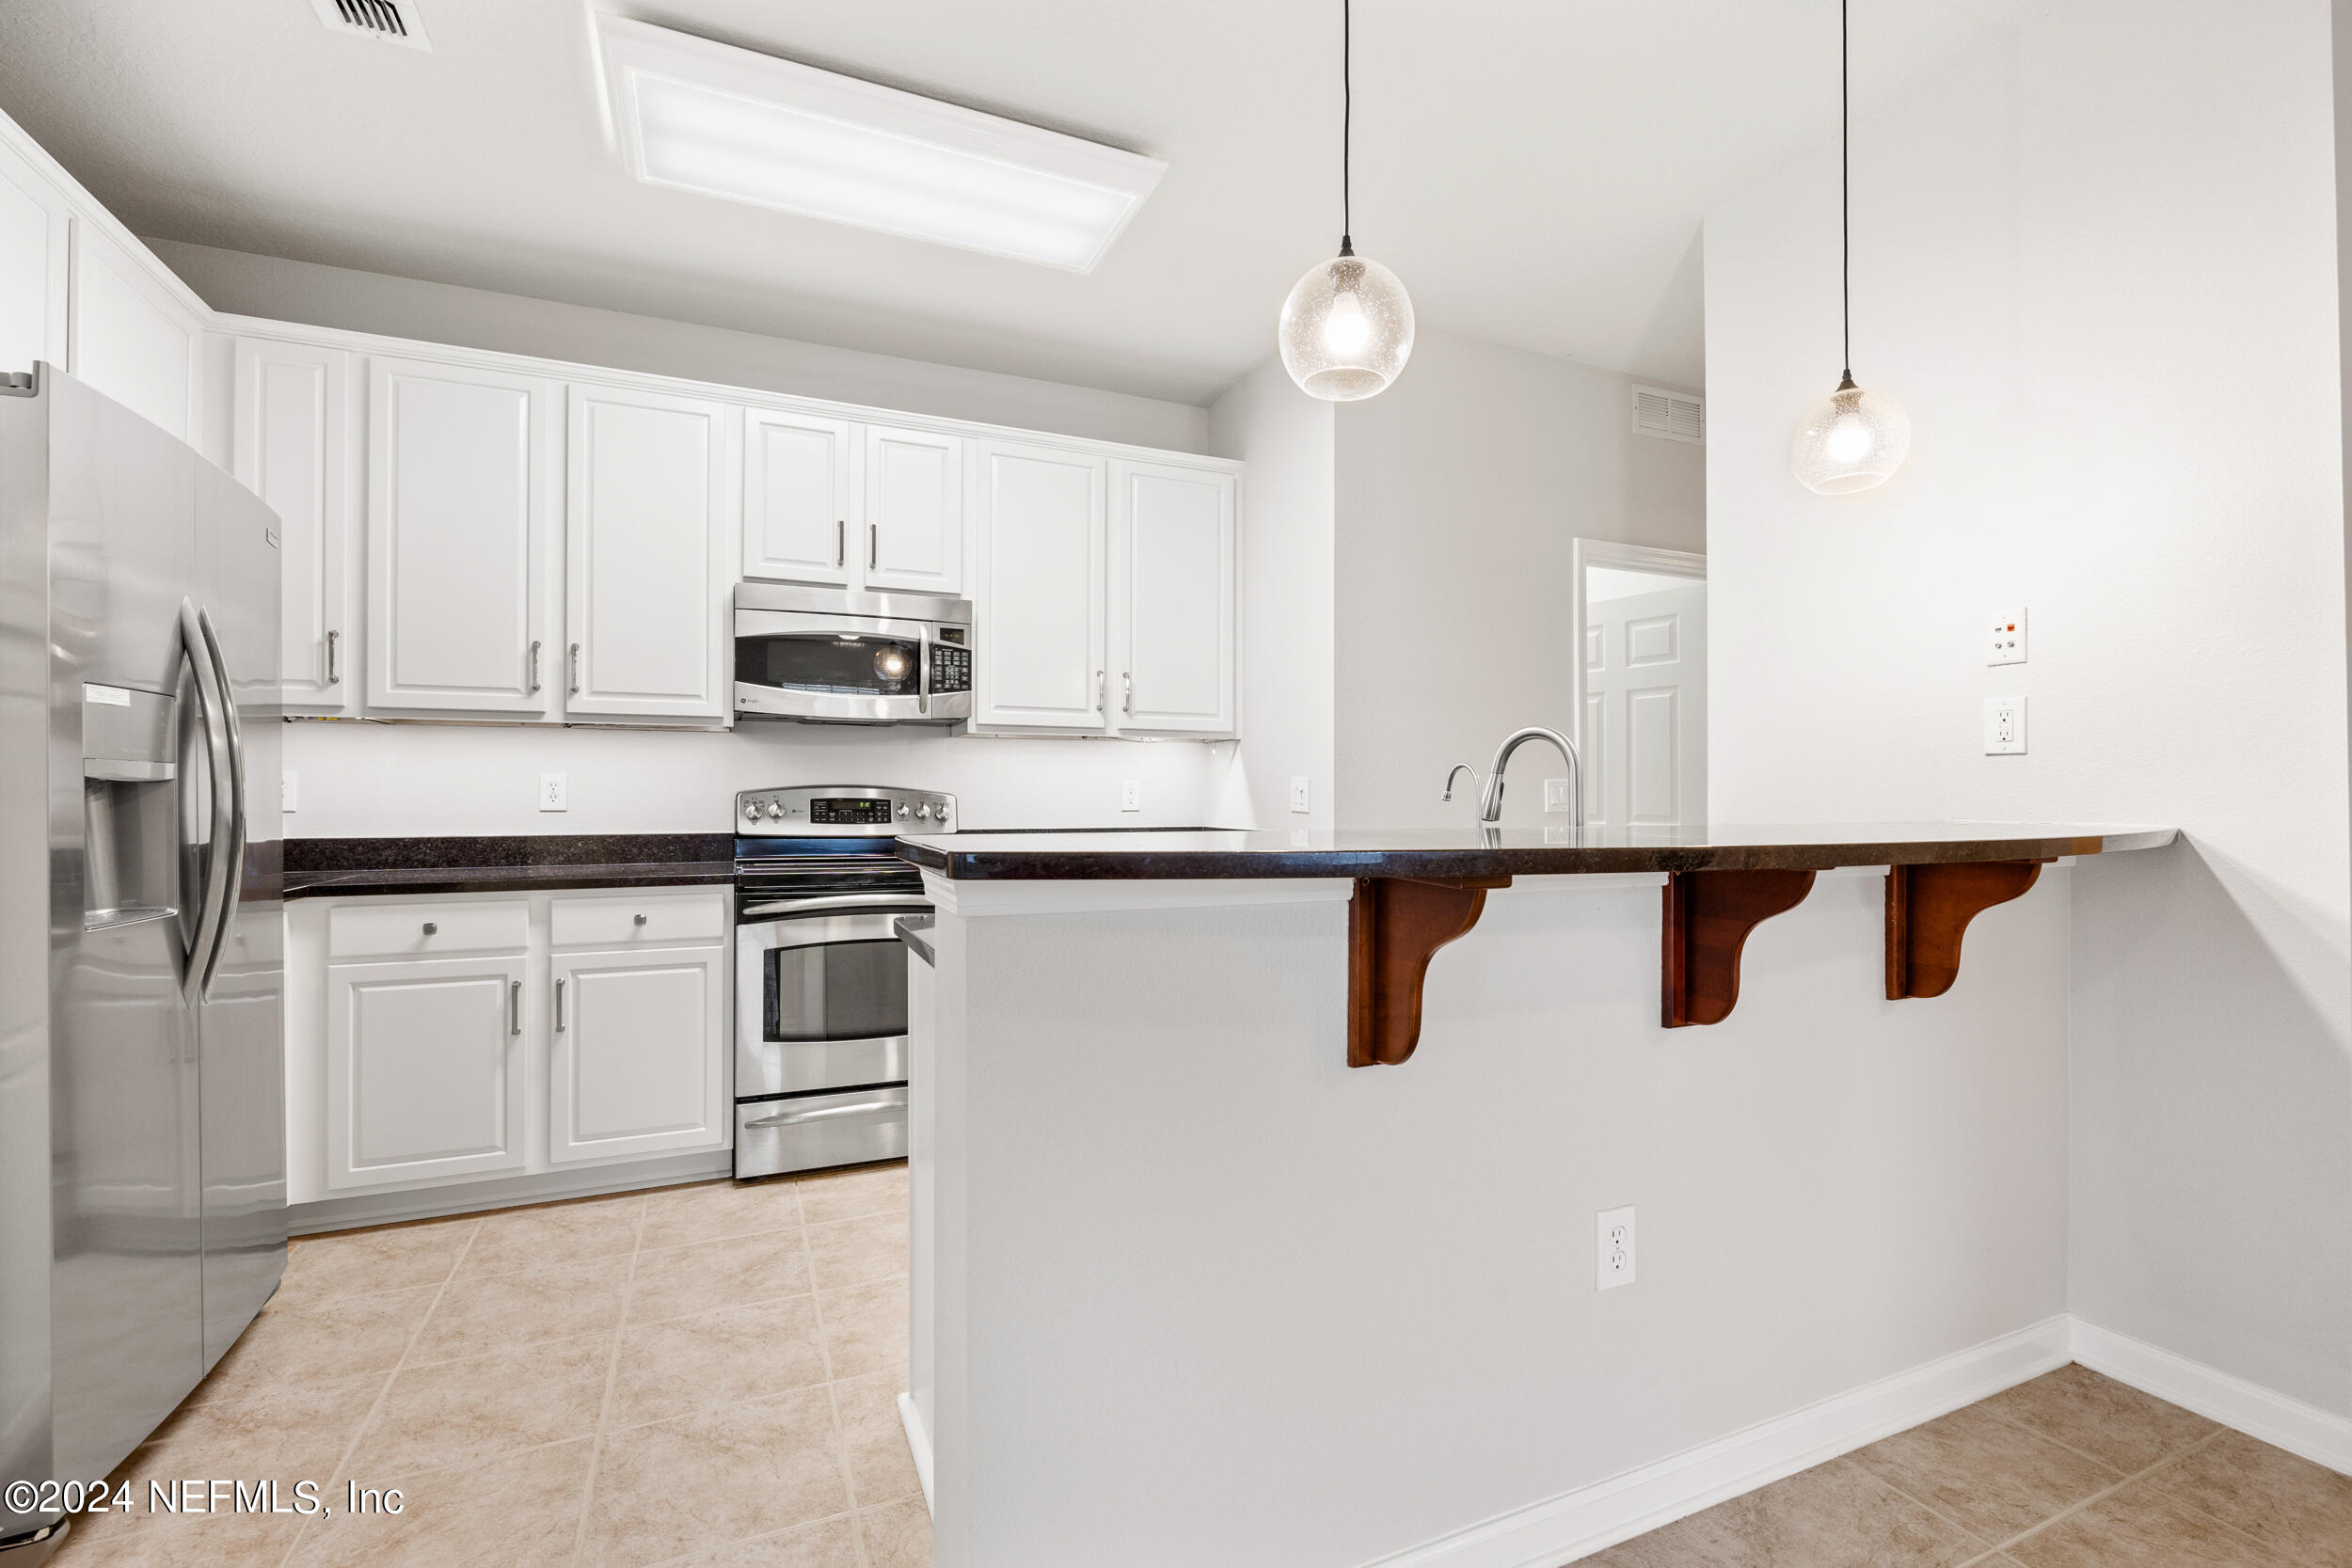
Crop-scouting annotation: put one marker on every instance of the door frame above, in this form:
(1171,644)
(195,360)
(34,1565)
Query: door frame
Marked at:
(1584,554)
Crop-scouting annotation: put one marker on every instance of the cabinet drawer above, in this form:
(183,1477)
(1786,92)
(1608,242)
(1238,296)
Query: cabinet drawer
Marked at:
(659,915)
(420,928)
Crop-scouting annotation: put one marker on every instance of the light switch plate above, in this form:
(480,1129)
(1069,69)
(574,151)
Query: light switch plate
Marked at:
(1556,796)
(1298,797)
(289,790)
(2004,726)
(1612,1248)
(2007,642)
(551,792)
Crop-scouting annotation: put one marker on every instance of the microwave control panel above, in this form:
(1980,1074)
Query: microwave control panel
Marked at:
(951,668)
(851,811)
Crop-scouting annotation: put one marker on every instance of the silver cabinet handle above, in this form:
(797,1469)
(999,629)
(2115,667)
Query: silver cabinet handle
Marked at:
(791,1118)
(558,1006)
(840,542)
(334,664)
(873,545)
(1102,697)
(1127,699)
(575,669)
(534,664)
(431,928)
(513,1007)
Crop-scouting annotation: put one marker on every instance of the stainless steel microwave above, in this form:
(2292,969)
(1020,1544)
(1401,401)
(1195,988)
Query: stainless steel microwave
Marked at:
(827,655)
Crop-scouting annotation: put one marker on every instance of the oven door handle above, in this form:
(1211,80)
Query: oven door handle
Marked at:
(793,1118)
(910,903)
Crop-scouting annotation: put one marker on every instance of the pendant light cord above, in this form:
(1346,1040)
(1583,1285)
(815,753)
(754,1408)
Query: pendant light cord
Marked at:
(1845,196)
(1347,127)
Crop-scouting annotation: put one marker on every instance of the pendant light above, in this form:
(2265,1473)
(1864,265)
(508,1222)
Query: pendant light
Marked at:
(1347,326)
(1851,439)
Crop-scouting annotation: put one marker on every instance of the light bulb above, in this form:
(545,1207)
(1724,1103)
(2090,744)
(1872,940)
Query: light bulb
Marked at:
(1850,440)
(1346,329)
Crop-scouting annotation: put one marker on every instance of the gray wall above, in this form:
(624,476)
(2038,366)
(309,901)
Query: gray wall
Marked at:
(1459,491)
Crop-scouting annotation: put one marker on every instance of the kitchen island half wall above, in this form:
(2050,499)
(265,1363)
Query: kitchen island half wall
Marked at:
(1179,1249)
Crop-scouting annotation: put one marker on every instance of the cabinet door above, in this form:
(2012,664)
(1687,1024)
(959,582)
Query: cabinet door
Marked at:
(461,512)
(34,226)
(1172,572)
(424,1070)
(639,1060)
(134,339)
(798,504)
(646,555)
(913,505)
(1038,592)
(290,443)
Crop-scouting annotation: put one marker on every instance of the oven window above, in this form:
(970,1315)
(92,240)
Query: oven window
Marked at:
(837,990)
(866,666)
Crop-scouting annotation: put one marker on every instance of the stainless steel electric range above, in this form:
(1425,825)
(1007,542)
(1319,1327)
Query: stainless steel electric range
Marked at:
(821,976)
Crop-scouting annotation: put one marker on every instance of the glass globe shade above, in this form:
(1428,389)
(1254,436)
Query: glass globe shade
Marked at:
(1346,329)
(1850,440)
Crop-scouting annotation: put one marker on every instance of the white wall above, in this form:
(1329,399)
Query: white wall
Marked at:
(321,296)
(2099,266)
(1460,489)
(1286,591)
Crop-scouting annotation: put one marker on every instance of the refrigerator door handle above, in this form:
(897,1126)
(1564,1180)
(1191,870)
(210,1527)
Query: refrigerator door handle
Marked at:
(212,902)
(240,825)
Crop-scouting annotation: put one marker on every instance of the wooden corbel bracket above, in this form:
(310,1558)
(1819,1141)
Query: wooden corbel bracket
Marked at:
(1708,916)
(1395,925)
(1928,910)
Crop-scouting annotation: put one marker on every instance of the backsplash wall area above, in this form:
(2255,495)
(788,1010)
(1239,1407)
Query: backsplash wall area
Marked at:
(359,779)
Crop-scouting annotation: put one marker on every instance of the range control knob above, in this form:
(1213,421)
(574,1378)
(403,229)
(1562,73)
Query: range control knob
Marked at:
(751,810)
(924,811)
(902,811)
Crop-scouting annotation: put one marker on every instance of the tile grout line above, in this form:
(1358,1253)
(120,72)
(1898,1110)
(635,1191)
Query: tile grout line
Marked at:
(611,1375)
(832,1395)
(2099,1497)
(376,1406)
(704,1554)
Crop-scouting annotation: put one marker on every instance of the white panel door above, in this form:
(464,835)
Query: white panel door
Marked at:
(134,339)
(1172,572)
(424,1070)
(1038,592)
(639,1058)
(290,443)
(647,559)
(34,256)
(798,499)
(914,506)
(1645,709)
(462,512)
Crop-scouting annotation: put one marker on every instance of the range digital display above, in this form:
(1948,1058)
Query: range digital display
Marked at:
(839,809)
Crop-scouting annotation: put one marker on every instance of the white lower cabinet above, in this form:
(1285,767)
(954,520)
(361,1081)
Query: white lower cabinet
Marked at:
(450,1039)
(424,1070)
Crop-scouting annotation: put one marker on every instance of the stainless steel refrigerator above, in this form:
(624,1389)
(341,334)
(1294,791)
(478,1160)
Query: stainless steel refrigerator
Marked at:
(142,1102)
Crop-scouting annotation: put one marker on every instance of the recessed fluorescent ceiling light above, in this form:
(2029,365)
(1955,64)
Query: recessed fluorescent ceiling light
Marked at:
(725,122)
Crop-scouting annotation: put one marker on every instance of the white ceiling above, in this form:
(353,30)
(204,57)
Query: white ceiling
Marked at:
(1535,170)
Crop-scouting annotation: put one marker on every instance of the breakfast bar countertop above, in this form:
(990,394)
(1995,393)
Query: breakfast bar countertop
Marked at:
(1486,852)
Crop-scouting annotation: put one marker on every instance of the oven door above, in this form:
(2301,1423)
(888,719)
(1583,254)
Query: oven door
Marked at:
(820,999)
(849,669)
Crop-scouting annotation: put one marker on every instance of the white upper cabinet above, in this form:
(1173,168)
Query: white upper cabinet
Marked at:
(1172,598)
(134,338)
(291,443)
(463,489)
(1038,587)
(913,505)
(649,563)
(34,226)
(799,471)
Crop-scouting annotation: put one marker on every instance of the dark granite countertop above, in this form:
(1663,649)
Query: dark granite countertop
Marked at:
(354,867)
(1501,853)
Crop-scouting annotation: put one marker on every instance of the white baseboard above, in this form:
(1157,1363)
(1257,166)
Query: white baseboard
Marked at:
(919,1442)
(1576,1524)
(2319,1436)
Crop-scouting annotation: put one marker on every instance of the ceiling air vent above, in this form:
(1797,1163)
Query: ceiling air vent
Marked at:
(1676,416)
(393,21)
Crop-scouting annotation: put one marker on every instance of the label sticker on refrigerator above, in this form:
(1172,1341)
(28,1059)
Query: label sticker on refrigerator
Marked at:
(106,696)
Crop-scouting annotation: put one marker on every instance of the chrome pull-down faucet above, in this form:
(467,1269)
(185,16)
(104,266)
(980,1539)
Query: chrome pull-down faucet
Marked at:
(1490,799)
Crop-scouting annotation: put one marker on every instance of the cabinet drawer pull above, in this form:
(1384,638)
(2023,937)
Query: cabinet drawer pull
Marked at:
(431,928)
(513,1007)
(334,660)
(558,1006)
(640,919)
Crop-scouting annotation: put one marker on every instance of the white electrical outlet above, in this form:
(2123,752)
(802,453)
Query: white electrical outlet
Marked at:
(1298,797)
(2007,644)
(1556,796)
(551,797)
(1131,794)
(2004,726)
(1612,1248)
(289,790)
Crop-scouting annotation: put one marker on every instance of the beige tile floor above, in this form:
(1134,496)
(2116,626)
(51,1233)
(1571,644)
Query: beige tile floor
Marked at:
(702,1376)
(2071,1470)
